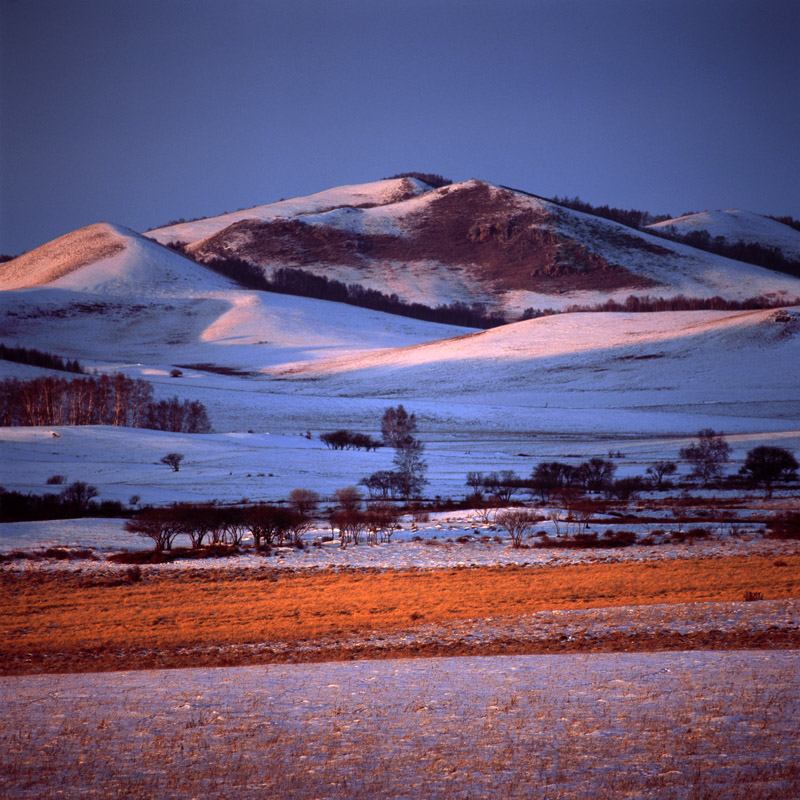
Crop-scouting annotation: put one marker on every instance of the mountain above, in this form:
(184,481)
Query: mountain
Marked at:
(735,226)
(469,242)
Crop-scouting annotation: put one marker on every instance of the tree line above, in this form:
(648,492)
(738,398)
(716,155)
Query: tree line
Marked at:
(212,525)
(707,455)
(103,400)
(432,179)
(38,358)
(301,282)
(750,252)
(633,218)
(680,302)
(74,500)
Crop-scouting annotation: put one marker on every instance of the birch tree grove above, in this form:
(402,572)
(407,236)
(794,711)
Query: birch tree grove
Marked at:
(102,400)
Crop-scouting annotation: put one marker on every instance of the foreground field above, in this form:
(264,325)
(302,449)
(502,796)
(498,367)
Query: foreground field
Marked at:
(646,725)
(96,619)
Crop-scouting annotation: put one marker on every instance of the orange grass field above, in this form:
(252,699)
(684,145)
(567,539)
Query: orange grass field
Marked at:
(49,613)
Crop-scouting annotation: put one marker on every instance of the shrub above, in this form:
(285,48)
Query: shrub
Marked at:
(65,554)
(349,440)
(786,526)
(56,480)
(626,489)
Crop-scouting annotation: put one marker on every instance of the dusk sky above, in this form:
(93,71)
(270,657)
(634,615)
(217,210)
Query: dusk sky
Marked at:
(143,112)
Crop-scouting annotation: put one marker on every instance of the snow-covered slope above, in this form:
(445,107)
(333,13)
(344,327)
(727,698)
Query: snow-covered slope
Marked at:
(735,225)
(117,300)
(377,193)
(663,361)
(106,294)
(109,260)
(473,243)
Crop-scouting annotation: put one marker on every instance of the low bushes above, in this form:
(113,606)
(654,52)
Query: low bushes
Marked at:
(589,540)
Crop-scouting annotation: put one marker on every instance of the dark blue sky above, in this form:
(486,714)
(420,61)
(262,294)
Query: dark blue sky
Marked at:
(141,112)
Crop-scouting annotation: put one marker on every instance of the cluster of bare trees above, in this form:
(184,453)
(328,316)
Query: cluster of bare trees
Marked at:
(347,518)
(97,400)
(572,491)
(350,440)
(499,488)
(38,358)
(210,524)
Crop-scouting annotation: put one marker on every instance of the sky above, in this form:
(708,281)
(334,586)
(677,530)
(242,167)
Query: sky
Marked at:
(147,111)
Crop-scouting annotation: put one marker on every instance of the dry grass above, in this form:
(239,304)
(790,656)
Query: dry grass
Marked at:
(673,727)
(61,613)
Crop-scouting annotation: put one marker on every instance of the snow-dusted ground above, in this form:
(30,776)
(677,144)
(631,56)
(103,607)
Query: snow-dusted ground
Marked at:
(122,462)
(649,725)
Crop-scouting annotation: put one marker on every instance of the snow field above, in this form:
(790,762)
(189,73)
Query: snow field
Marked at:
(121,462)
(649,725)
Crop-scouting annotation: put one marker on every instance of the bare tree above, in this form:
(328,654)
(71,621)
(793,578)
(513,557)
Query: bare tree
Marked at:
(411,468)
(659,470)
(550,476)
(173,460)
(517,522)
(78,495)
(305,501)
(596,474)
(766,464)
(475,482)
(159,524)
(707,455)
(347,516)
(398,426)
(268,523)
(502,485)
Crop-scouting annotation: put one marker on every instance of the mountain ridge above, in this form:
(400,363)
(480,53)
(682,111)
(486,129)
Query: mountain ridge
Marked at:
(474,242)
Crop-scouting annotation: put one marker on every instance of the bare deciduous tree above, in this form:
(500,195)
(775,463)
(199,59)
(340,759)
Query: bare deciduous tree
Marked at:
(173,460)
(766,464)
(517,522)
(707,455)
(659,470)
